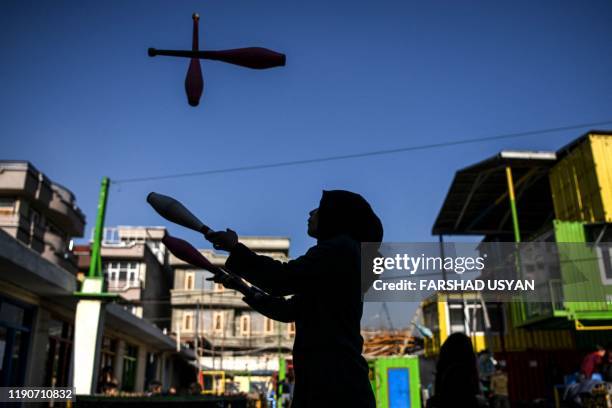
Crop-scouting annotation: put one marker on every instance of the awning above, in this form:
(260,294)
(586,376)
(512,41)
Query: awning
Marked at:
(477,202)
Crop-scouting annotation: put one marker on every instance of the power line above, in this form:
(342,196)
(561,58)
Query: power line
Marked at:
(360,155)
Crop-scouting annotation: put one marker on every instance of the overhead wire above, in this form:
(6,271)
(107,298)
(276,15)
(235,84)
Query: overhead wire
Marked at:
(360,155)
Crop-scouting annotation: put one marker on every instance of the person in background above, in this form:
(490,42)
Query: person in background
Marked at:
(590,363)
(486,368)
(155,388)
(284,391)
(457,383)
(606,365)
(499,388)
(110,390)
(195,389)
(107,383)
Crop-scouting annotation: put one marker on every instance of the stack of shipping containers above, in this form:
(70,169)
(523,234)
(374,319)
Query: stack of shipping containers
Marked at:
(541,343)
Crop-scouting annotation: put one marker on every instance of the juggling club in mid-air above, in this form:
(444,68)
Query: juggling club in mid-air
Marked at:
(194,81)
(174,211)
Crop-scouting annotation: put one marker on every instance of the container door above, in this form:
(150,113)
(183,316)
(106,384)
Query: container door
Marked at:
(398,383)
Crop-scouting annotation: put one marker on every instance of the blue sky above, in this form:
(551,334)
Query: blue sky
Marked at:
(80,99)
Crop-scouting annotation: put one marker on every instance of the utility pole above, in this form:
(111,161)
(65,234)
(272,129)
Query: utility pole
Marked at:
(197,328)
(213,323)
(223,325)
(388,316)
(441,244)
(196,342)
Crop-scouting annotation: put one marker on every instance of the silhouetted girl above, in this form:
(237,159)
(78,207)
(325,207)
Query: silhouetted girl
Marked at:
(326,305)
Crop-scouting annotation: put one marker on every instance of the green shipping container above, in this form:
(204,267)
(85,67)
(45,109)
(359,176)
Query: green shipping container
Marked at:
(396,382)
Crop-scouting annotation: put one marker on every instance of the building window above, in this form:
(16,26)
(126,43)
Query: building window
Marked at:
(466,318)
(245,325)
(58,354)
(456,318)
(268,326)
(430,316)
(218,322)
(7,206)
(108,353)
(475,318)
(291,328)
(112,272)
(15,327)
(34,217)
(497,321)
(133,278)
(130,359)
(605,263)
(187,321)
(189,280)
(122,275)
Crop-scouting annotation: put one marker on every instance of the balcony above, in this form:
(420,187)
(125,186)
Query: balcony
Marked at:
(23,181)
(65,260)
(64,212)
(20,178)
(252,342)
(557,311)
(255,341)
(129,290)
(15,225)
(189,297)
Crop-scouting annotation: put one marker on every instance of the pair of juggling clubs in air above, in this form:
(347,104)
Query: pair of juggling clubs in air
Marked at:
(251,57)
(174,211)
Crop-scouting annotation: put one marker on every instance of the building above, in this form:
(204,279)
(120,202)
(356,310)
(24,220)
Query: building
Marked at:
(134,263)
(38,220)
(39,213)
(230,336)
(562,198)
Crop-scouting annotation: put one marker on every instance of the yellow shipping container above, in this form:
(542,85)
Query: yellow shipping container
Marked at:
(581,183)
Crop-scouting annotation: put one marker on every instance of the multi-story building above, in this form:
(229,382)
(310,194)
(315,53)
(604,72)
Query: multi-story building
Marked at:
(134,265)
(230,335)
(38,219)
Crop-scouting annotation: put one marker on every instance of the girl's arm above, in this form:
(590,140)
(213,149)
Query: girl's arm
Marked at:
(273,307)
(285,278)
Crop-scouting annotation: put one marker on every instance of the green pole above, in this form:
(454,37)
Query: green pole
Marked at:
(95,264)
(515,222)
(281,376)
(517,231)
(279,403)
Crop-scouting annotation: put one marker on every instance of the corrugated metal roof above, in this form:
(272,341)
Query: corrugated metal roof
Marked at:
(477,200)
